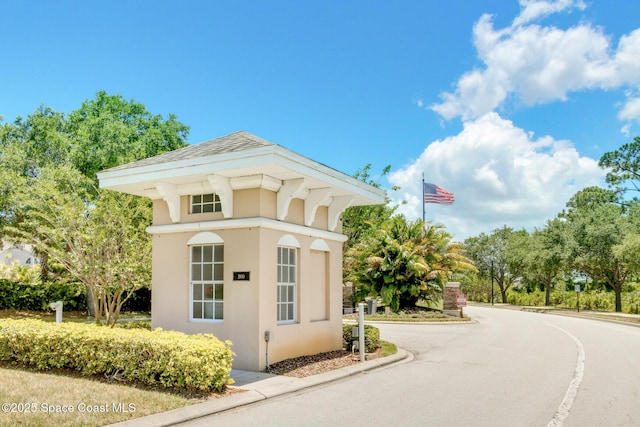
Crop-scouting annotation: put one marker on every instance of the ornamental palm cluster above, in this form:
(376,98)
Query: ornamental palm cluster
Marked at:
(406,262)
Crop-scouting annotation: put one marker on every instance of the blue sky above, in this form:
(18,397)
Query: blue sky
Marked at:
(508,104)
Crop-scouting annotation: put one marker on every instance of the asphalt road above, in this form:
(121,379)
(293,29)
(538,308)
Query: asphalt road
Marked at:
(509,368)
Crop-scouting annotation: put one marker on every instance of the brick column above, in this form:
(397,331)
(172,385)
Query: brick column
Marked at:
(451,291)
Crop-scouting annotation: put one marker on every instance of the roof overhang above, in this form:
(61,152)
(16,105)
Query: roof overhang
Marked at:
(267,167)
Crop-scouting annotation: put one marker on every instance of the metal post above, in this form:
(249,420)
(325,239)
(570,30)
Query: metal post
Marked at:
(57,306)
(361,331)
(422,190)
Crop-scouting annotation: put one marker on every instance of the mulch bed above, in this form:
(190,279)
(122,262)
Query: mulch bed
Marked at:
(305,366)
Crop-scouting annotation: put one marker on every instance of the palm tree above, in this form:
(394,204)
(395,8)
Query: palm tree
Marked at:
(408,262)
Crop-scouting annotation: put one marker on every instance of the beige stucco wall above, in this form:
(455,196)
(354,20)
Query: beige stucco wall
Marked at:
(254,202)
(170,284)
(250,306)
(306,336)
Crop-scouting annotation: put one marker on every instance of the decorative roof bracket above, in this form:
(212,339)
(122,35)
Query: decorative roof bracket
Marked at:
(169,193)
(318,197)
(337,206)
(291,189)
(222,188)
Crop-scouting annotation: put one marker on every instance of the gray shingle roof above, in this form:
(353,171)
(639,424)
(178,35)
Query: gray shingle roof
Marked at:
(235,142)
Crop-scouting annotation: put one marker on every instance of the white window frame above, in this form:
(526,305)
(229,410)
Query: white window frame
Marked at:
(206,275)
(198,205)
(287,285)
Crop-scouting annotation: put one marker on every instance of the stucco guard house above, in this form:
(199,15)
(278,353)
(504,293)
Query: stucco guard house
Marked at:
(247,244)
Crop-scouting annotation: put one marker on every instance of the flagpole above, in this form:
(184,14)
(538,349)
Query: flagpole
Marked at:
(422,192)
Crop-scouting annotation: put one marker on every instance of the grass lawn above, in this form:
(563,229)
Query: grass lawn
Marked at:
(67,316)
(37,398)
(388,348)
(417,314)
(32,398)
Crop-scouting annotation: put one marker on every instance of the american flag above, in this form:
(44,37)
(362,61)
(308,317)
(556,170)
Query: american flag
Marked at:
(435,194)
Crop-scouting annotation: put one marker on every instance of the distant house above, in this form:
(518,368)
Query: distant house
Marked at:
(11,253)
(247,244)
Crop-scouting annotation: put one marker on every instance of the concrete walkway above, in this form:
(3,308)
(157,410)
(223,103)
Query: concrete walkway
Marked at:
(259,386)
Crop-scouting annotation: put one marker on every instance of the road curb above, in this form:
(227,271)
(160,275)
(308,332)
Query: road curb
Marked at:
(260,393)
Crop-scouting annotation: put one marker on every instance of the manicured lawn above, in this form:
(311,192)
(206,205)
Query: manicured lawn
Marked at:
(388,348)
(36,398)
(418,314)
(67,316)
(31,398)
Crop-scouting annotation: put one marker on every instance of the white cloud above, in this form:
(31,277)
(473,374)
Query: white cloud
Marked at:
(534,64)
(534,9)
(499,174)
(631,110)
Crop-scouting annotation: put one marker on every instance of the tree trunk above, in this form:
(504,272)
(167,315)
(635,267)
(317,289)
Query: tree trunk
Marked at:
(91,303)
(618,292)
(547,293)
(503,289)
(44,266)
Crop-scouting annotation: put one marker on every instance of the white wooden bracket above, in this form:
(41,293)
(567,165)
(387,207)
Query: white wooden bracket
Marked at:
(291,189)
(222,188)
(315,199)
(169,193)
(337,206)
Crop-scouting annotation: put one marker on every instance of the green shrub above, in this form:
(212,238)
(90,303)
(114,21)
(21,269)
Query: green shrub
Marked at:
(173,359)
(631,302)
(38,296)
(371,337)
(535,298)
(135,324)
(592,299)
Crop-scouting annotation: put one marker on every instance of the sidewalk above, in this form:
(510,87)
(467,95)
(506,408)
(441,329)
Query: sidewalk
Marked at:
(259,386)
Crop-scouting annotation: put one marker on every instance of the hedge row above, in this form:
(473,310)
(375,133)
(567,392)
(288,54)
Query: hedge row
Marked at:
(173,359)
(589,300)
(371,337)
(38,296)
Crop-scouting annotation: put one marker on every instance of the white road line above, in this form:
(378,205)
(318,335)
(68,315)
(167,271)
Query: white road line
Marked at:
(565,407)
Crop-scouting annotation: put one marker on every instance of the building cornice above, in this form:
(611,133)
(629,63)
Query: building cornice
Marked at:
(231,224)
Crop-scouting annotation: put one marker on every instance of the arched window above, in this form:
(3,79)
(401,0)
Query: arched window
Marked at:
(206,277)
(287,306)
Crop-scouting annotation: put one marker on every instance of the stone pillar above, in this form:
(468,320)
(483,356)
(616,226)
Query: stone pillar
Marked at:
(449,306)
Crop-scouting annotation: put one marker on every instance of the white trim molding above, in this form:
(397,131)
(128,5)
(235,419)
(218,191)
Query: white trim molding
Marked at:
(289,240)
(230,224)
(205,238)
(320,245)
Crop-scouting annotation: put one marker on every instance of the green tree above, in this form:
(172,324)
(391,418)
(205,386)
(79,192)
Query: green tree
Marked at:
(100,241)
(108,131)
(40,154)
(544,257)
(601,241)
(360,222)
(623,165)
(495,256)
(408,262)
